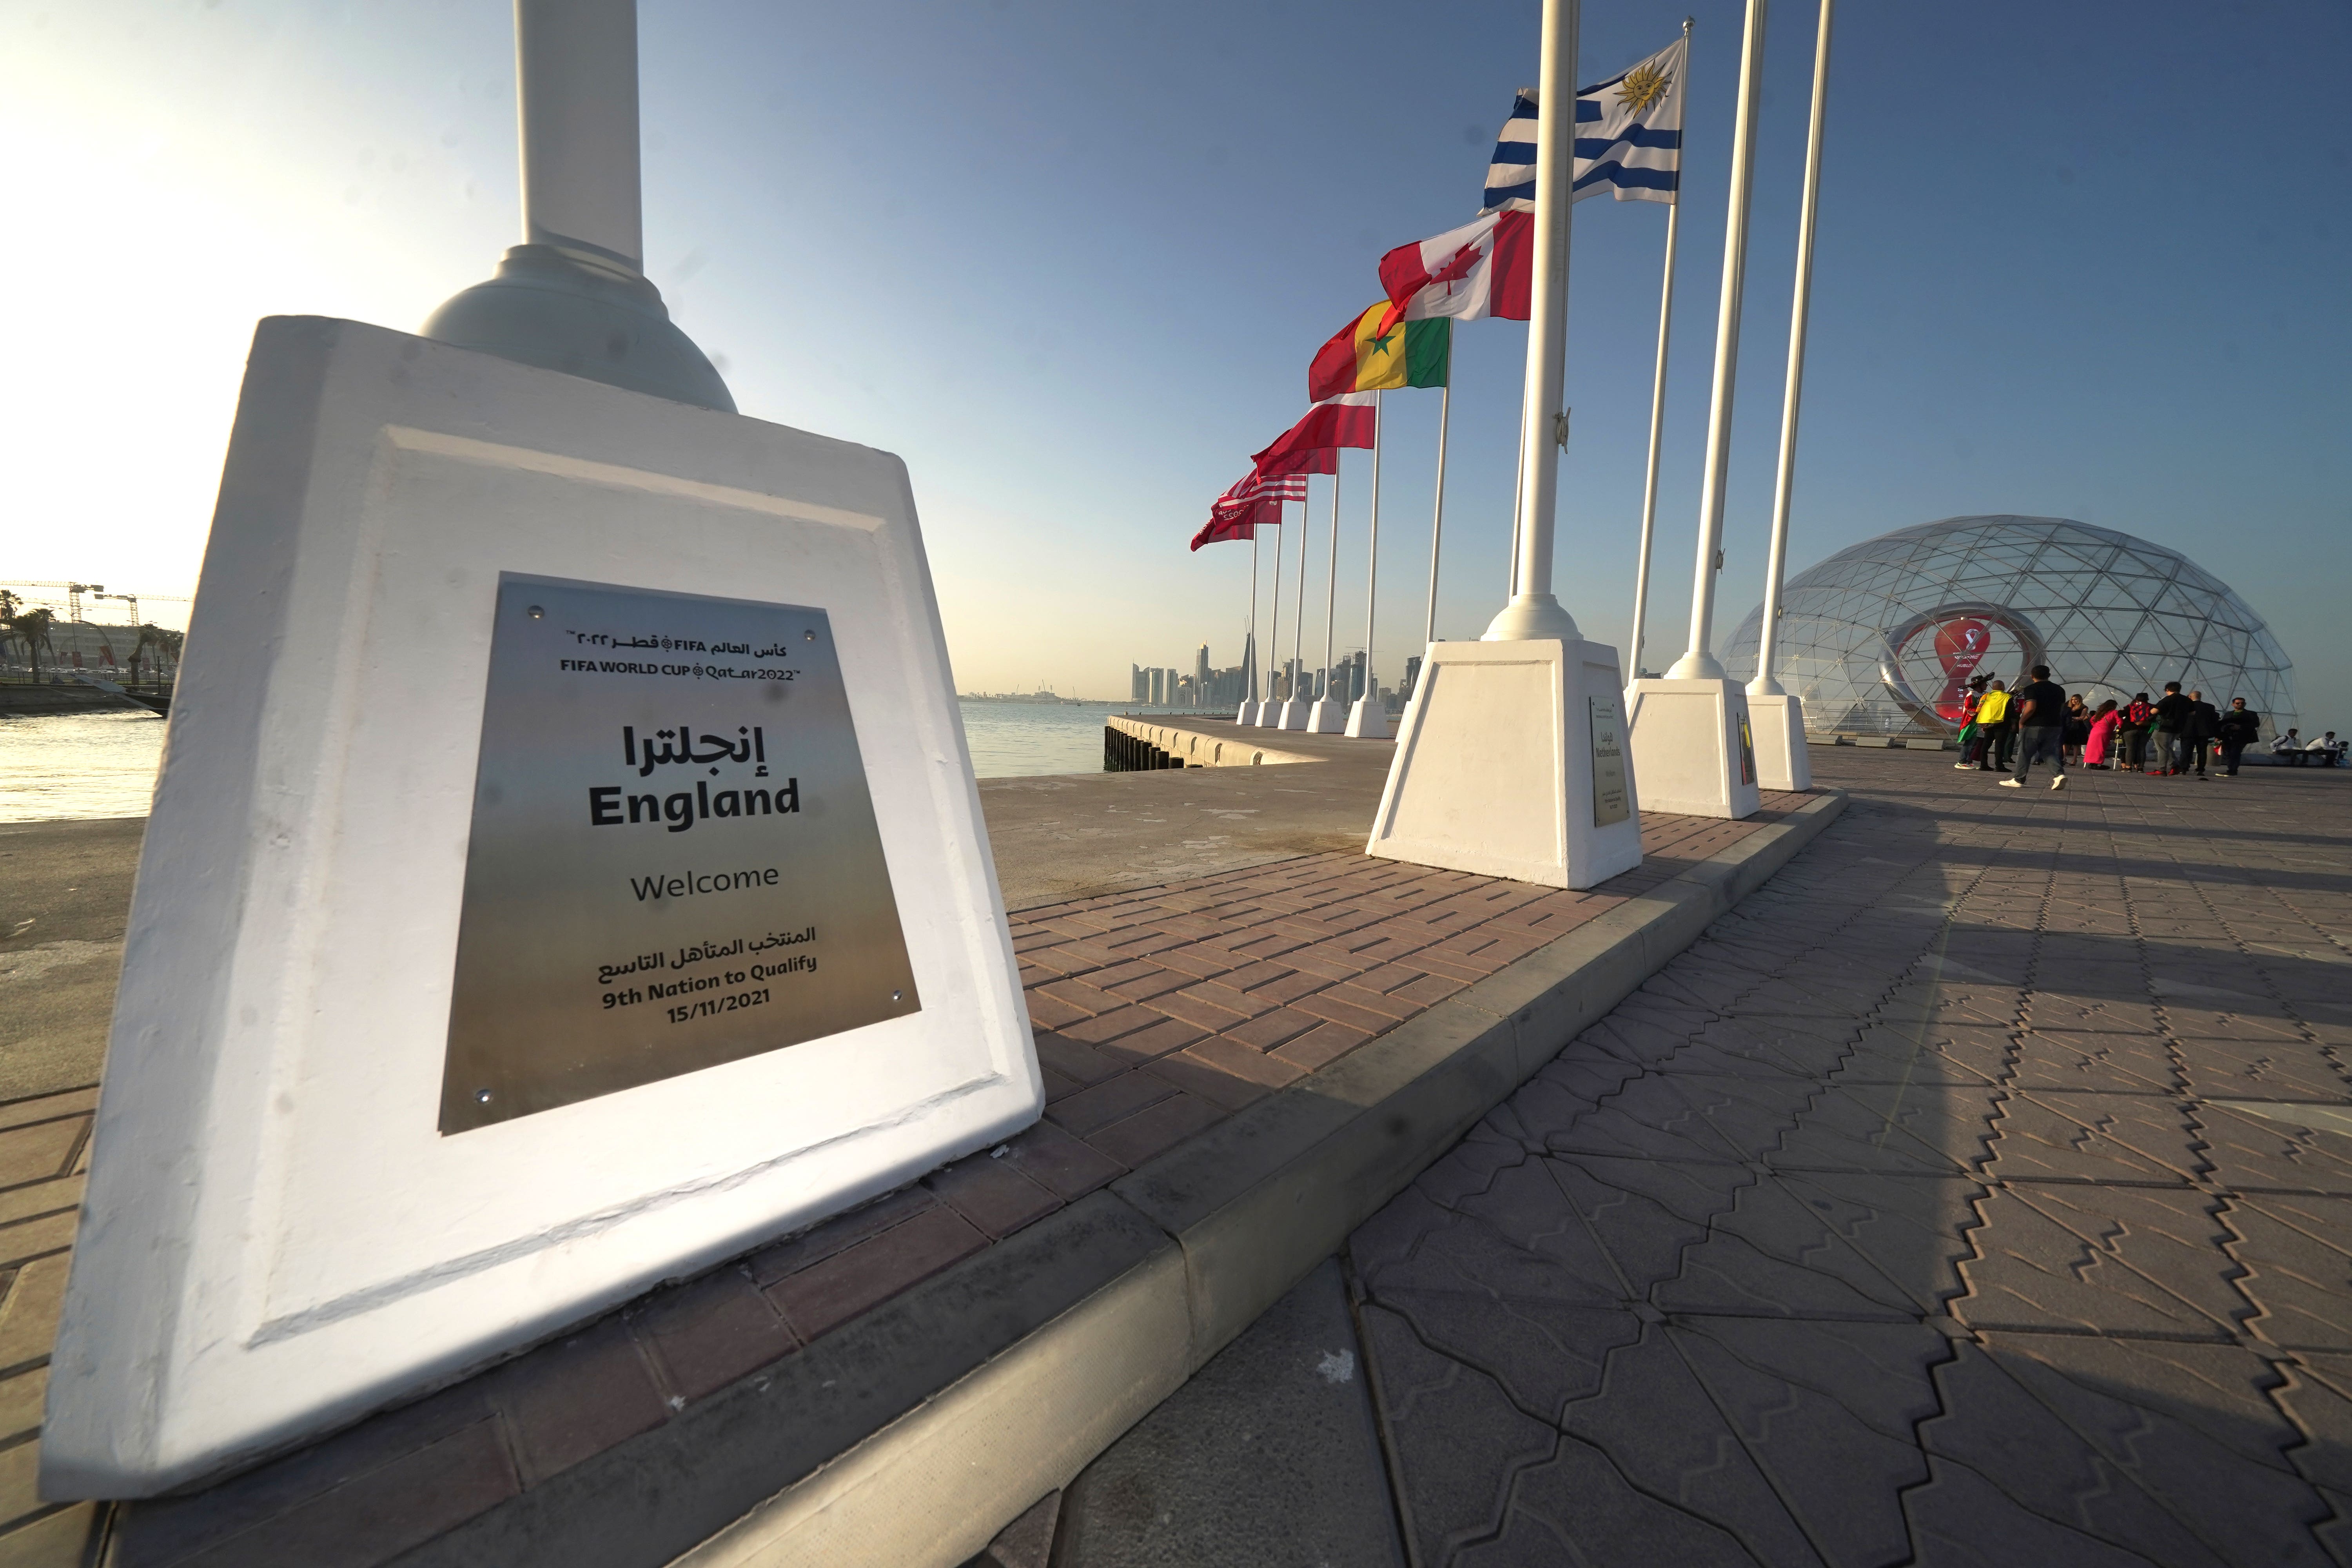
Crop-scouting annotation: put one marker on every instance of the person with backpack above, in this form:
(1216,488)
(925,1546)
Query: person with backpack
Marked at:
(2041,705)
(2239,726)
(2173,713)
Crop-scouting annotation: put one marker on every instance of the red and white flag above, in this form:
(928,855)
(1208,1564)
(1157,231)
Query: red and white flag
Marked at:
(1478,270)
(1311,446)
(1251,502)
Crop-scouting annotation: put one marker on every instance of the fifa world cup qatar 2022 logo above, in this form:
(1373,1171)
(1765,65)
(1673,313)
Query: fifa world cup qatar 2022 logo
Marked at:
(1961,646)
(1963,638)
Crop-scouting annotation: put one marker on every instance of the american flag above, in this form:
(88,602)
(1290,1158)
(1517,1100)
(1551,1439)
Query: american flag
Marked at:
(1253,501)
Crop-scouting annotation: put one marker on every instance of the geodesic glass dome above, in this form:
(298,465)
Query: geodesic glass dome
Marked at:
(1880,639)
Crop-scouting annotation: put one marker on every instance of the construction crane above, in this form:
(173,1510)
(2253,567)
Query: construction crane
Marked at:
(74,592)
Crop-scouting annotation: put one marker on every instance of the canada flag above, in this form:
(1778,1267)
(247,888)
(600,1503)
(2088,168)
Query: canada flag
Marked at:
(1479,269)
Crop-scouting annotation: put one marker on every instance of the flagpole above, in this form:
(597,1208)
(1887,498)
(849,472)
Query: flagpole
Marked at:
(1275,599)
(1299,615)
(1437,525)
(1700,663)
(1658,392)
(1373,553)
(1252,660)
(1331,579)
(1784,481)
(1533,612)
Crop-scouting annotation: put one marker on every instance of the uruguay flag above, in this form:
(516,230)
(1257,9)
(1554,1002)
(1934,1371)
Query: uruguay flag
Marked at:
(1628,138)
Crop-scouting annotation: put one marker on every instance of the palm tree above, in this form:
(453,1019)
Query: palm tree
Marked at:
(150,636)
(32,628)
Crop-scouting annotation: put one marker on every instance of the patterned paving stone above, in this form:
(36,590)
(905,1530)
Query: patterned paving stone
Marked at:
(2298,1275)
(1904,1128)
(2093,1138)
(2083,1060)
(1655,1421)
(2253,1152)
(2262,1070)
(2034,1270)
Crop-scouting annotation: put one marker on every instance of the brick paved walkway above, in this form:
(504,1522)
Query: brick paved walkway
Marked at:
(1158,1012)
(1920,1213)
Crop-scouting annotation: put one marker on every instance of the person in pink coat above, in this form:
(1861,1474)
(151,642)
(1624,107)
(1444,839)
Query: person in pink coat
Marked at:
(2100,747)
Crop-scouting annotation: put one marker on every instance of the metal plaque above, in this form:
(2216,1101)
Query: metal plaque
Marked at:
(674,860)
(1747,750)
(1609,803)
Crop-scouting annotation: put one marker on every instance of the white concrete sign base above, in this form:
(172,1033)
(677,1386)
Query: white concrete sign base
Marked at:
(279,1235)
(1367,720)
(1326,716)
(1781,761)
(1694,749)
(1496,761)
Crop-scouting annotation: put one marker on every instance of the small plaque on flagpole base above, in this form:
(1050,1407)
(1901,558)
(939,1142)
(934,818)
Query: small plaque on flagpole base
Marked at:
(1499,769)
(1694,751)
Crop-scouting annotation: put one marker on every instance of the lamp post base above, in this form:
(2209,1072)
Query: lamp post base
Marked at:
(1368,721)
(1327,717)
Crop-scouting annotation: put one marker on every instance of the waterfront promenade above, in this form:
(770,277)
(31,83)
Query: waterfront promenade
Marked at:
(1963,1195)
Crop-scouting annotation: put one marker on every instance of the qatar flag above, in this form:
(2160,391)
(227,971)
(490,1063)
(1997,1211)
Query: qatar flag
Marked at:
(1479,269)
(1311,446)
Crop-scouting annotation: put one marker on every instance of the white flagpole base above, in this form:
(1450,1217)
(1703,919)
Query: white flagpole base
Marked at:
(1781,761)
(1367,720)
(1249,715)
(1692,746)
(1497,763)
(1269,714)
(1290,715)
(1328,717)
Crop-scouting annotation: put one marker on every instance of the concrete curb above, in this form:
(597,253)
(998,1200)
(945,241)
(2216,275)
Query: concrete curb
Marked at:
(1076,1327)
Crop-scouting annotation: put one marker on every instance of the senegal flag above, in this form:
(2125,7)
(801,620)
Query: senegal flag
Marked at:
(1376,351)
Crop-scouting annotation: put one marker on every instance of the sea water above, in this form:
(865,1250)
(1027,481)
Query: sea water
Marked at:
(103,763)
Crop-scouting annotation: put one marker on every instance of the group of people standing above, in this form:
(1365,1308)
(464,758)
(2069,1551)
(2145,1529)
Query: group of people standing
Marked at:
(2168,737)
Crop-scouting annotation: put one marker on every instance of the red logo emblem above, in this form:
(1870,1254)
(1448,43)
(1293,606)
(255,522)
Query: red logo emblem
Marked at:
(1960,647)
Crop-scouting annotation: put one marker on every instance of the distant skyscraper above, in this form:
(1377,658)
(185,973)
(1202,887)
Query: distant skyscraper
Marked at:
(1139,685)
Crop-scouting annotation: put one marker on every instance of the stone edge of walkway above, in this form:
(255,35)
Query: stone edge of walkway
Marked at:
(1010,1373)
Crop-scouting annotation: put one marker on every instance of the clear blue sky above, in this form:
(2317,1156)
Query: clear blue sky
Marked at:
(1071,262)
